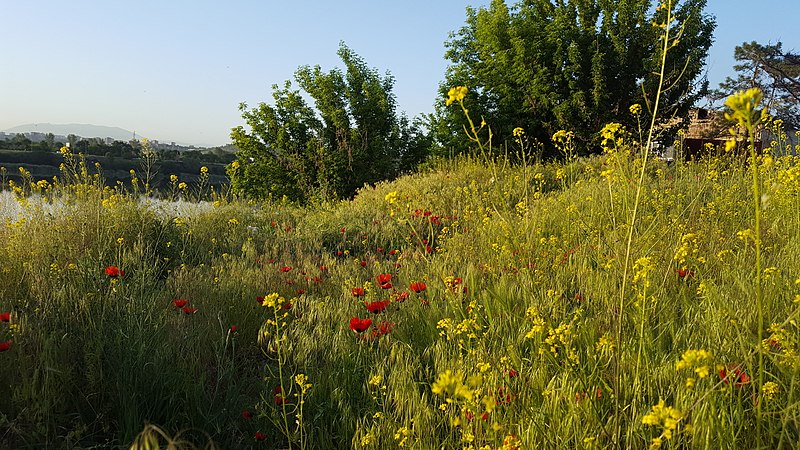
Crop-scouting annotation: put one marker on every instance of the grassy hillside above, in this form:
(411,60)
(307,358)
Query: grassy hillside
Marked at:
(472,305)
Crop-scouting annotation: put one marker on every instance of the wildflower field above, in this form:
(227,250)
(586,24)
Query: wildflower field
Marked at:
(598,302)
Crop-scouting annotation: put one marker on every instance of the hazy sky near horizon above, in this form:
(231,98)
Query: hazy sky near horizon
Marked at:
(177,70)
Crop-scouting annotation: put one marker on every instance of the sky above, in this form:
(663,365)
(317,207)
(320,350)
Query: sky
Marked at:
(177,70)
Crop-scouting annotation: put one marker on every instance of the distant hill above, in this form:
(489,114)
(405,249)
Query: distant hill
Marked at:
(78,129)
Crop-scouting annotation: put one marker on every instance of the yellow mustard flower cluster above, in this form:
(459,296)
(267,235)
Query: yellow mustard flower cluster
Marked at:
(642,269)
(559,342)
(401,436)
(665,417)
(770,389)
(698,360)
(538,323)
(456,94)
(391,197)
(613,136)
(451,386)
(780,342)
(302,382)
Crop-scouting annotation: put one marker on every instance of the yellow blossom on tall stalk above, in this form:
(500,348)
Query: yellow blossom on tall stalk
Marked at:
(456,94)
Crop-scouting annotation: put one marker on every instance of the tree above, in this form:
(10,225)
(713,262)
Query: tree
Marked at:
(350,136)
(546,65)
(774,71)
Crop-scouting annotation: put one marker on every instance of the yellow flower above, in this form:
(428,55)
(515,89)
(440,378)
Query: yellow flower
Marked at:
(664,416)
(376,380)
(456,94)
(699,360)
(182,186)
(743,105)
(173,178)
(518,132)
(204,170)
(769,389)
(636,109)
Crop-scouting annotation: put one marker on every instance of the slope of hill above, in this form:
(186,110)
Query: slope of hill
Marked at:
(78,129)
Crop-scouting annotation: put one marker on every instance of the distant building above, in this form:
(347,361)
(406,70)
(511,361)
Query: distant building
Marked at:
(708,132)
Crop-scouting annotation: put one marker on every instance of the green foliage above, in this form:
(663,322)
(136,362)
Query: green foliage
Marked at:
(350,136)
(545,66)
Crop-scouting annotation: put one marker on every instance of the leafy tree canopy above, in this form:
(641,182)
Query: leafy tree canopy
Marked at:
(546,65)
(350,134)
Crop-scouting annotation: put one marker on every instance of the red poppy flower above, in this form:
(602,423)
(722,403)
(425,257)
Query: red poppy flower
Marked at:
(260,436)
(5,317)
(287,306)
(392,252)
(260,300)
(685,273)
(360,325)
(734,373)
(512,373)
(429,249)
(246,414)
(384,328)
(5,345)
(342,230)
(358,292)
(287,229)
(503,396)
(113,271)
(377,307)
(400,296)
(273,223)
(301,291)
(363,263)
(418,286)
(233,328)
(339,253)
(426,213)
(189,310)
(323,268)
(384,280)
(285,269)
(180,303)
(380,250)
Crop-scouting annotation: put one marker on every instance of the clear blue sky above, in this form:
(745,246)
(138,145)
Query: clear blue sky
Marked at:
(177,69)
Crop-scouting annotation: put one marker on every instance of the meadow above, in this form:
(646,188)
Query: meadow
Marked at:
(611,301)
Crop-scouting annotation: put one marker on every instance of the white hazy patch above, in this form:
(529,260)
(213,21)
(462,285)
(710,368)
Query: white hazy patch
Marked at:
(10,209)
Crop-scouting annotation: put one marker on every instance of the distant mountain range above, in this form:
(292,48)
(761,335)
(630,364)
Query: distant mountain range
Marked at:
(78,129)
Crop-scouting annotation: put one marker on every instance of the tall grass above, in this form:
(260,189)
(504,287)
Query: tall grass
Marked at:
(529,335)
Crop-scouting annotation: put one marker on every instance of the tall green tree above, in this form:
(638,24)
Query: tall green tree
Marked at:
(546,65)
(775,71)
(351,134)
